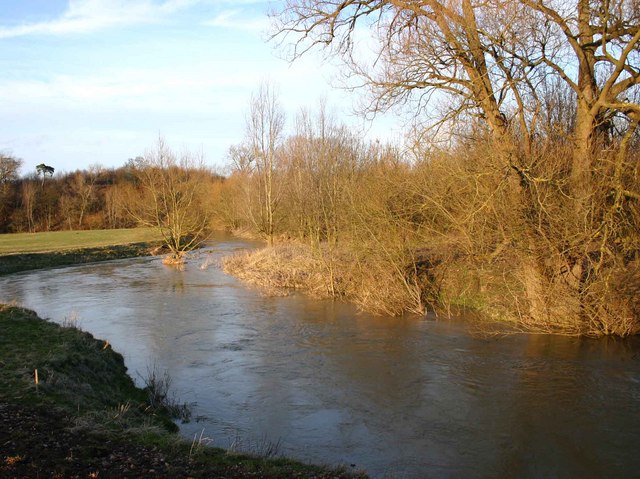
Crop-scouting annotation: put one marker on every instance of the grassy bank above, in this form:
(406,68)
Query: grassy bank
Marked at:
(27,251)
(19,243)
(84,417)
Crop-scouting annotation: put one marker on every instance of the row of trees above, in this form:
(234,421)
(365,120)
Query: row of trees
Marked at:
(523,175)
(157,189)
(83,199)
(403,229)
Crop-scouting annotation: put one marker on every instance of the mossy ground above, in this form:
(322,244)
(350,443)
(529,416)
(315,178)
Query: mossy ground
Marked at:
(86,418)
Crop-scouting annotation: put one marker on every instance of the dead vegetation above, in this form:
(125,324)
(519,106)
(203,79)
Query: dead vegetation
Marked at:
(517,193)
(453,229)
(279,269)
(283,268)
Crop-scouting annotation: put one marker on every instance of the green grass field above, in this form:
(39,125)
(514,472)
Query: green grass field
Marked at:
(20,243)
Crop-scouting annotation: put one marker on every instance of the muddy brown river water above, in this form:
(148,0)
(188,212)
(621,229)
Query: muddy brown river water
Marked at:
(399,397)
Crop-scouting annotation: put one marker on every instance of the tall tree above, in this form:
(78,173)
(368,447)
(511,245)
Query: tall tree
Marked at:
(593,46)
(83,188)
(264,130)
(29,204)
(44,170)
(490,59)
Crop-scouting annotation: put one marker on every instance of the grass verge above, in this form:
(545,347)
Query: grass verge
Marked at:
(27,251)
(69,409)
(20,243)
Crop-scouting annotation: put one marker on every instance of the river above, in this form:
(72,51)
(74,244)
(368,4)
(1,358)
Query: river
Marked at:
(399,397)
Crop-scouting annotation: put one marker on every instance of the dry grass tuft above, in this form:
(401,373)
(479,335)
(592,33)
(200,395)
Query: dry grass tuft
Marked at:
(371,284)
(280,269)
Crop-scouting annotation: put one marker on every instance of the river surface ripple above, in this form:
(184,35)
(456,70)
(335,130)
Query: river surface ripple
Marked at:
(399,397)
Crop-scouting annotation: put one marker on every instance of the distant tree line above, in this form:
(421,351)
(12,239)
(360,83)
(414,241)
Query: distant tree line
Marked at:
(93,198)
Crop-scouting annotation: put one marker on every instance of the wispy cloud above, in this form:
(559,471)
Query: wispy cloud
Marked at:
(66,101)
(240,20)
(144,90)
(84,16)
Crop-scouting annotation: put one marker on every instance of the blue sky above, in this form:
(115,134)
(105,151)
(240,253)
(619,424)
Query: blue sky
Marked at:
(96,81)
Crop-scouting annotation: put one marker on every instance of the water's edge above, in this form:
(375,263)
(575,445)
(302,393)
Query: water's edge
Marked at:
(401,397)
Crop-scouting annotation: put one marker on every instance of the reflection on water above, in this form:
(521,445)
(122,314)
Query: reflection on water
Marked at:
(403,398)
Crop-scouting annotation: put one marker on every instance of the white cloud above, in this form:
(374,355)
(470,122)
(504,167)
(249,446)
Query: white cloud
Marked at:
(239,20)
(64,106)
(84,16)
(153,93)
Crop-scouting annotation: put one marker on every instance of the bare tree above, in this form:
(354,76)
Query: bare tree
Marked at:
(428,50)
(594,48)
(171,199)
(320,160)
(83,189)
(489,58)
(264,129)
(9,168)
(114,205)
(29,203)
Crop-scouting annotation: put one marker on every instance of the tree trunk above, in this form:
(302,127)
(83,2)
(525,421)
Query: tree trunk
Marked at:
(583,153)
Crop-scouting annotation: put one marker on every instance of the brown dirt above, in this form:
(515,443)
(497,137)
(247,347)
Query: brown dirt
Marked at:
(42,443)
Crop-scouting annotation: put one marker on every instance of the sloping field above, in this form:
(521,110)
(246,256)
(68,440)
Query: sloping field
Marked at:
(20,243)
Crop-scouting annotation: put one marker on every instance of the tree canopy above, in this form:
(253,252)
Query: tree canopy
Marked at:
(45,170)
(490,61)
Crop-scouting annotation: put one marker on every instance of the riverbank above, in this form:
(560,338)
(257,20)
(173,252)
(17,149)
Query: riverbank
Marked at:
(370,283)
(396,282)
(69,409)
(16,263)
(28,251)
